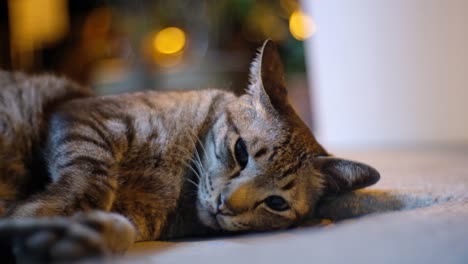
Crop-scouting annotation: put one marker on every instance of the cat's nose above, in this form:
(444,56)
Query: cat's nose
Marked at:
(236,201)
(223,206)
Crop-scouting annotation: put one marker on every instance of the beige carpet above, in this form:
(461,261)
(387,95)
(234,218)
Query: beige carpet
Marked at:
(417,213)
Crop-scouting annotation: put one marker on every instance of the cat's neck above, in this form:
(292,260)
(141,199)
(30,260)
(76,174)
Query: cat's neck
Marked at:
(184,220)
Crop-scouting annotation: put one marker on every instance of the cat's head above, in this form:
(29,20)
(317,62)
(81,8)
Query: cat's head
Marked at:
(262,167)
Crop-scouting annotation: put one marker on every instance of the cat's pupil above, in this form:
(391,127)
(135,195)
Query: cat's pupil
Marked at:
(240,150)
(276,203)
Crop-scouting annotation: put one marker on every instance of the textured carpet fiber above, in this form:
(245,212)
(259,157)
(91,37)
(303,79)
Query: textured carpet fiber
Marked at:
(417,213)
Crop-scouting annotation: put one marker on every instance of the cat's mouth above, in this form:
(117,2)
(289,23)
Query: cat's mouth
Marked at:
(215,221)
(208,214)
(211,216)
(211,219)
(216,215)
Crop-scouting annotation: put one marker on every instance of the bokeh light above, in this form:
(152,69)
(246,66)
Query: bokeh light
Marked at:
(169,40)
(301,25)
(33,25)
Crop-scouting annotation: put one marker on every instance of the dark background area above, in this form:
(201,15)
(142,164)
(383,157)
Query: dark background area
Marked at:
(112,45)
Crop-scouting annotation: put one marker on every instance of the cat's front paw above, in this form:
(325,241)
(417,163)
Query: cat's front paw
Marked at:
(57,240)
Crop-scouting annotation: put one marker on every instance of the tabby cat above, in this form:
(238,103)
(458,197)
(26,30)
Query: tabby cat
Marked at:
(83,176)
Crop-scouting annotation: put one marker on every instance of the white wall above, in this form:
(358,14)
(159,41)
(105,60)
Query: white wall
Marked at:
(386,72)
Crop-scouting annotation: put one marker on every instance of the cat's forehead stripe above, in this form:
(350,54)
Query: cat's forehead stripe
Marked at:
(254,141)
(288,185)
(231,123)
(275,149)
(260,152)
(294,168)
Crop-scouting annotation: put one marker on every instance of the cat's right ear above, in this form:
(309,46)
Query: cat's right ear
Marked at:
(341,175)
(267,83)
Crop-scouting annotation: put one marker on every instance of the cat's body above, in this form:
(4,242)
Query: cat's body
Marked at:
(150,165)
(136,159)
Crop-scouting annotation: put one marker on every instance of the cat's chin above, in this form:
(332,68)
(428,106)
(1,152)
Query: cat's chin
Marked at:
(207,218)
(216,221)
(211,222)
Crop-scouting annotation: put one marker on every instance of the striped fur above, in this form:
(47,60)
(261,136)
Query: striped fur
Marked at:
(152,165)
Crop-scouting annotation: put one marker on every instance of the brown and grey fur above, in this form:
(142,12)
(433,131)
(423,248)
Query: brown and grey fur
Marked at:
(151,165)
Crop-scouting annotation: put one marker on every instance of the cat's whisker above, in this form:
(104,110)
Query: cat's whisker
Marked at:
(193,170)
(199,159)
(197,154)
(194,139)
(191,159)
(190,181)
(201,144)
(187,164)
(182,159)
(185,155)
(198,162)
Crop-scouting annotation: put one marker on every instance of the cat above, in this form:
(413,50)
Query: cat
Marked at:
(83,176)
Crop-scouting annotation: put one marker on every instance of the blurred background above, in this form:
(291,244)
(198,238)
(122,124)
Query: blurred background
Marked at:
(119,46)
(362,73)
(390,73)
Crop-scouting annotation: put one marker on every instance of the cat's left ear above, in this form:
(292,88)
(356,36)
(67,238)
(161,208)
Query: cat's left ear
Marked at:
(342,175)
(267,81)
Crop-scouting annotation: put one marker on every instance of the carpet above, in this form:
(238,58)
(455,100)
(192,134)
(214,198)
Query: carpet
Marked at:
(416,213)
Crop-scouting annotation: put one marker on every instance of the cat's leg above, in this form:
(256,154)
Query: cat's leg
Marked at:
(90,234)
(13,175)
(81,159)
(82,165)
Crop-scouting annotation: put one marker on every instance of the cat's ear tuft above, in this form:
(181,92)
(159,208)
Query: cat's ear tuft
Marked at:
(342,175)
(267,81)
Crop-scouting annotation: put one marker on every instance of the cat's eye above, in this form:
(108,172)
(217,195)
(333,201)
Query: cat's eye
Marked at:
(240,151)
(276,203)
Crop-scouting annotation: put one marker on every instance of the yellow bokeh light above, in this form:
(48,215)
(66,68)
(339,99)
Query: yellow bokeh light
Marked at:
(33,25)
(169,40)
(301,25)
